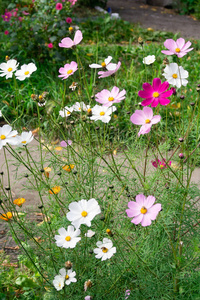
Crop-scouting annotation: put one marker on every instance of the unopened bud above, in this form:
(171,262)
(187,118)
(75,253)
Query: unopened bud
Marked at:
(109,232)
(165,61)
(181,140)
(182,97)
(181,155)
(68,264)
(140,40)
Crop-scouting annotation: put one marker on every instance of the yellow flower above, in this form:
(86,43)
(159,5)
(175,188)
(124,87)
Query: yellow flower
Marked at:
(55,190)
(6,216)
(68,168)
(19,201)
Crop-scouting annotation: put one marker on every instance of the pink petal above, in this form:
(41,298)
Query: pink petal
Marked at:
(138,118)
(78,37)
(115,91)
(164,101)
(144,129)
(145,94)
(140,199)
(147,87)
(167,52)
(146,221)
(147,101)
(163,87)
(154,210)
(167,94)
(136,220)
(66,43)
(156,84)
(180,43)
(148,113)
(155,102)
(134,209)
(149,201)
(155,119)
(170,44)
(186,46)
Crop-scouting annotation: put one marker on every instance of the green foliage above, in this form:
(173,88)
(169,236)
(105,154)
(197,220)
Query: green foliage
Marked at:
(190,7)
(92,3)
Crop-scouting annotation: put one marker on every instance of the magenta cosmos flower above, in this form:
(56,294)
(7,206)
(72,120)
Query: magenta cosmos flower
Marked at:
(156,93)
(110,72)
(107,98)
(180,48)
(59,6)
(68,43)
(69,20)
(68,70)
(145,118)
(143,211)
(160,163)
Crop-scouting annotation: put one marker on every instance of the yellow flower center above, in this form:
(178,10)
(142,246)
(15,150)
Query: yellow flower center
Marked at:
(68,113)
(84,213)
(89,110)
(156,94)
(177,50)
(40,97)
(69,71)
(59,285)
(104,249)
(174,75)
(110,99)
(67,277)
(26,73)
(9,69)
(147,121)
(103,64)
(2,137)
(102,113)
(143,210)
(161,166)
(23,142)
(70,28)
(68,238)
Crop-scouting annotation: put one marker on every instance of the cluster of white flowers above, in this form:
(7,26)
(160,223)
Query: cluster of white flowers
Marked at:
(9,136)
(7,69)
(81,212)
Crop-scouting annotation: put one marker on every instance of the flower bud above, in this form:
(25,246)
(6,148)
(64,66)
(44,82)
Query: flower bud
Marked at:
(181,140)
(68,264)
(140,40)
(181,155)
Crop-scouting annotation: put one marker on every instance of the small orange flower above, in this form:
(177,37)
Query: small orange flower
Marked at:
(55,190)
(47,170)
(68,168)
(19,201)
(6,216)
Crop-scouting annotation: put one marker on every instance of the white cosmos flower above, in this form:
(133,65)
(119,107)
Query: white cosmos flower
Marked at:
(67,238)
(78,106)
(148,60)
(7,69)
(105,249)
(66,112)
(89,233)
(102,113)
(69,275)
(7,135)
(58,282)
(25,138)
(106,64)
(175,75)
(83,212)
(25,71)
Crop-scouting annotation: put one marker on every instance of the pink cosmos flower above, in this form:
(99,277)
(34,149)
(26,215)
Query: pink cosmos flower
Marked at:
(25,13)
(180,48)
(50,45)
(145,118)
(156,93)
(20,19)
(72,2)
(143,210)
(65,143)
(6,32)
(107,98)
(127,294)
(69,20)
(68,70)
(160,163)
(59,6)
(68,43)
(7,16)
(110,72)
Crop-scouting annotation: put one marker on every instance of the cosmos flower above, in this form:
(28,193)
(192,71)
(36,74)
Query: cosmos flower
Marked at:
(25,138)
(66,112)
(143,211)
(160,163)
(79,106)
(68,168)
(7,69)
(68,43)
(55,190)
(179,48)
(145,118)
(105,249)
(19,201)
(7,16)
(102,113)
(50,45)
(156,93)
(67,238)
(106,64)
(25,71)
(89,233)
(148,60)
(109,72)
(68,70)
(107,98)
(175,75)
(69,20)
(83,212)
(58,282)
(7,135)
(59,6)
(65,143)
(69,275)
(6,217)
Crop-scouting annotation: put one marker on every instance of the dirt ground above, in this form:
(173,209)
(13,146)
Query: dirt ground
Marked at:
(158,18)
